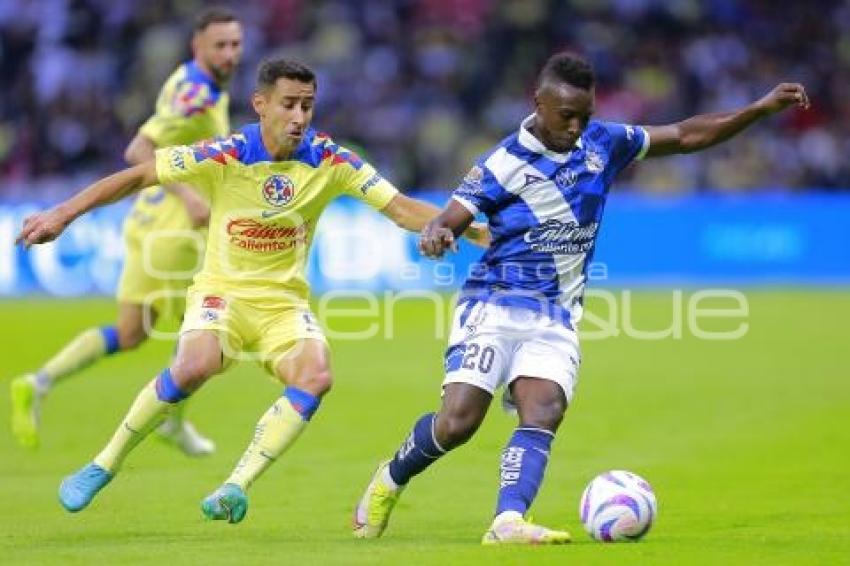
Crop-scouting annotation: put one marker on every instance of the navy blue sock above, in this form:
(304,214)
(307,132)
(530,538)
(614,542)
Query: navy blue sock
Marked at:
(523,463)
(419,451)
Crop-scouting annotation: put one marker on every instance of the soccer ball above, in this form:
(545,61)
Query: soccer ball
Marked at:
(618,506)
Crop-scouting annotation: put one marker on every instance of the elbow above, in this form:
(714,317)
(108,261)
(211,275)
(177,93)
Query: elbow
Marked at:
(691,142)
(139,150)
(130,156)
(688,146)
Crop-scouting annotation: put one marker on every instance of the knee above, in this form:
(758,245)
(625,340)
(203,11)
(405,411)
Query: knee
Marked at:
(190,372)
(453,429)
(546,415)
(316,381)
(130,336)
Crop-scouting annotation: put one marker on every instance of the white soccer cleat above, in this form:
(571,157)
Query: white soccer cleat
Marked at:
(183,435)
(511,528)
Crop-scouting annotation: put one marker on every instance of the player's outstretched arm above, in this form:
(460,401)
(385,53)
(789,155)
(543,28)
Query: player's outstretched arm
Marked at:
(705,130)
(439,234)
(413,215)
(46,226)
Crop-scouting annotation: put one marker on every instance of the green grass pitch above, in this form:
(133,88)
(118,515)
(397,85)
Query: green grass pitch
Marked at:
(746,443)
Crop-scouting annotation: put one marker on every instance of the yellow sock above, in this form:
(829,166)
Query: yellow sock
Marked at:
(146,413)
(276,431)
(174,420)
(86,348)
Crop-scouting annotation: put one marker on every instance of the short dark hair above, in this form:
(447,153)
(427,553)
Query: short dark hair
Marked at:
(566,67)
(214,15)
(273,69)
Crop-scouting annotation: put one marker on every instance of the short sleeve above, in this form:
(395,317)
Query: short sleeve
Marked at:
(189,164)
(183,115)
(479,191)
(628,143)
(355,177)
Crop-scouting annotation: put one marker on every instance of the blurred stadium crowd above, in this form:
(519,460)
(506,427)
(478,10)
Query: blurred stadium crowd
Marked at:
(423,86)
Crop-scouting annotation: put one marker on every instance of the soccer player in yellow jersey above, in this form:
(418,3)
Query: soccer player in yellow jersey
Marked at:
(268,185)
(164,232)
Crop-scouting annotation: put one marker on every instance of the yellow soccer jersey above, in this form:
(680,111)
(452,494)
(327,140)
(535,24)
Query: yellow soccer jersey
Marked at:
(264,212)
(190,107)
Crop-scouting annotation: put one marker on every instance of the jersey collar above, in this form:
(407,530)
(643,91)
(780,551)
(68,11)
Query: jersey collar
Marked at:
(195,73)
(531,143)
(256,150)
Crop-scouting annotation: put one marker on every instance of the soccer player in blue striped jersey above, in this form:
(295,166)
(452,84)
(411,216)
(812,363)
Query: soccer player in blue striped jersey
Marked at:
(543,190)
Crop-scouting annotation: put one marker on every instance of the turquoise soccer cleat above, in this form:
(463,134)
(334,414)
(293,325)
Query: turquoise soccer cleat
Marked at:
(227,502)
(78,489)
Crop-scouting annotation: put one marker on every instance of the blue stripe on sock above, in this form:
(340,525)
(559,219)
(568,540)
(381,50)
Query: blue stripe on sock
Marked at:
(167,390)
(305,403)
(110,337)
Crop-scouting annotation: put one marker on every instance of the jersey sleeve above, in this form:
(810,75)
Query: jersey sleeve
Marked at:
(355,177)
(480,191)
(182,115)
(192,165)
(628,143)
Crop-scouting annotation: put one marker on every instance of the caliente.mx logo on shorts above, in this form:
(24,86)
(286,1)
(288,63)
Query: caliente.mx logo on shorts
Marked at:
(278,190)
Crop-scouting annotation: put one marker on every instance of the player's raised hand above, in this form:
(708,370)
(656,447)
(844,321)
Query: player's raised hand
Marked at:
(784,95)
(435,239)
(42,227)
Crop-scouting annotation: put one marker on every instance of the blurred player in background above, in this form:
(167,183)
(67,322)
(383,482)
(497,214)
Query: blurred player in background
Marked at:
(268,185)
(543,190)
(163,234)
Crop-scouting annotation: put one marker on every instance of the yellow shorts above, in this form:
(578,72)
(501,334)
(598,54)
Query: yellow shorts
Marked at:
(158,268)
(260,330)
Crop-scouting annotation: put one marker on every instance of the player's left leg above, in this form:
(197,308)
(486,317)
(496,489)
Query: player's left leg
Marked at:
(541,404)
(29,391)
(198,358)
(305,371)
(462,411)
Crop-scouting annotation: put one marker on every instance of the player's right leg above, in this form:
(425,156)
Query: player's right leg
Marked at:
(462,412)
(199,357)
(541,404)
(542,378)
(474,368)
(28,391)
(304,367)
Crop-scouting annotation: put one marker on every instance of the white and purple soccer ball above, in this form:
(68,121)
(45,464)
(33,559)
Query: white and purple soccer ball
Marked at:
(618,506)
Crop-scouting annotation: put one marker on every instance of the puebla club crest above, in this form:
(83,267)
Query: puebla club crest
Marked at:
(278,190)
(566,178)
(594,161)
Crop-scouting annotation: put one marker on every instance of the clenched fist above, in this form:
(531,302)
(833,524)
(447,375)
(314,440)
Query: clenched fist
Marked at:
(782,96)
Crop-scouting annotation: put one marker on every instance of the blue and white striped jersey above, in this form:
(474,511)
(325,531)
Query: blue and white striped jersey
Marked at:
(544,210)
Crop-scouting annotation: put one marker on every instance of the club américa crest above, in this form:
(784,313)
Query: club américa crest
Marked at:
(278,190)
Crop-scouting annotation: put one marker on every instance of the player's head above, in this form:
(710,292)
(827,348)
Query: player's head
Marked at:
(564,100)
(284,99)
(217,42)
